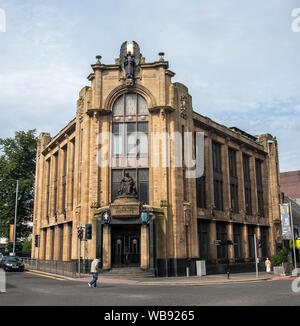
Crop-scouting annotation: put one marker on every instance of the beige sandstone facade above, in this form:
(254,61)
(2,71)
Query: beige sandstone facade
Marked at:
(232,200)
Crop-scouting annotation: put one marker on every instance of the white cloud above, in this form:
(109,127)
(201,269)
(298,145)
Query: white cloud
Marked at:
(239,61)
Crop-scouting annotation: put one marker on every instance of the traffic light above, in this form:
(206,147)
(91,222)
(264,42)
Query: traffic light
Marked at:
(88,231)
(80,233)
(259,243)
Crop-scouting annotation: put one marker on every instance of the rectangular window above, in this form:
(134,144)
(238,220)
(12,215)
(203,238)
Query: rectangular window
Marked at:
(184,179)
(64,177)
(130,104)
(200,192)
(218,178)
(200,184)
(237,239)
(143,185)
(142,138)
(73,169)
(233,180)
(264,241)
(203,239)
(259,185)
(222,235)
(251,232)
(117,145)
(131,140)
(116,178)
(55,182)
(48,187)
(247,183)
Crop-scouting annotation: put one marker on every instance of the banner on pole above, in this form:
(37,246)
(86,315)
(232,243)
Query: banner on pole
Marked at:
(285,222)
(11,232)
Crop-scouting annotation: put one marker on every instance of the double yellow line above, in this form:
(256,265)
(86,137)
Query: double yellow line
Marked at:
(45,275)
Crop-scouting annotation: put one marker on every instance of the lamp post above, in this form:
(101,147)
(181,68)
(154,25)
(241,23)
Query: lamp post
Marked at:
(15,221)
(293,234)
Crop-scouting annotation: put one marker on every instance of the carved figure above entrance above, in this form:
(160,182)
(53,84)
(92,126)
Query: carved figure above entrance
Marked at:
(127,186)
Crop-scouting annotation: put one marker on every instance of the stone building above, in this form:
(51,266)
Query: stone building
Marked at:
(290,184)
(133,120)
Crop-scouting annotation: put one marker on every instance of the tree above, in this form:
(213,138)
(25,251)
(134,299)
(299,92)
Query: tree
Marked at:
(17,162)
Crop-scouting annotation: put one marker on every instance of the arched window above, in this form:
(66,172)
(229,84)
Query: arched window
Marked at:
(130,143)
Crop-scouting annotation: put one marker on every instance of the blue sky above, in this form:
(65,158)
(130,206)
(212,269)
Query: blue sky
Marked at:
(239,59)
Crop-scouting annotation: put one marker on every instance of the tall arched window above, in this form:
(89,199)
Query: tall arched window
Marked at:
(130,143)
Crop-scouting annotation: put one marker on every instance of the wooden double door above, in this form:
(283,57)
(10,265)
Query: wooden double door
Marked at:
(125,249)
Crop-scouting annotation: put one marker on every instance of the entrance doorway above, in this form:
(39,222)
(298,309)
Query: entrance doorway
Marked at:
(125,249)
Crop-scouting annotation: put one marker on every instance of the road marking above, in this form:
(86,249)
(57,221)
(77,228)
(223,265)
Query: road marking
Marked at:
(44,275)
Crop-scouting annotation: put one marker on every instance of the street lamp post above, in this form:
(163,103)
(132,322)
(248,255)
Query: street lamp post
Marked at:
(15,222)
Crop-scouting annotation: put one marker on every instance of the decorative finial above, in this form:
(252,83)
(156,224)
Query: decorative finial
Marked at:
(98,57)
(161,54)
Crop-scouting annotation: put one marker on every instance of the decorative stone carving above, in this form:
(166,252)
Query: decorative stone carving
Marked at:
(183,106)
(129,59)
(127,186)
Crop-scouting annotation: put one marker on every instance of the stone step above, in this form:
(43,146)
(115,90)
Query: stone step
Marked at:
(128,272)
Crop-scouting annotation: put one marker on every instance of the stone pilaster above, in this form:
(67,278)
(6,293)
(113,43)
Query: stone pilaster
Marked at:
(258,237)
(230,236)
(66,242)
(42,244)
(241,185)
(57,248)
(253,186)
(213,254)
(144,246)
(106,249)
(245,243)
(49,243)
(226,180)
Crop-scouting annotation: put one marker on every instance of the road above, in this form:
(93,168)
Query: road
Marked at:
(28,289)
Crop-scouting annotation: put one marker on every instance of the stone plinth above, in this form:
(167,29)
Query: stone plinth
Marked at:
(125,206)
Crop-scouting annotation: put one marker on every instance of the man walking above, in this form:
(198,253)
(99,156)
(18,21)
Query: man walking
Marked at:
(95,266)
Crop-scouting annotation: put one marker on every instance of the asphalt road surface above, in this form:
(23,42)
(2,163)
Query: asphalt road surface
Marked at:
(28,289)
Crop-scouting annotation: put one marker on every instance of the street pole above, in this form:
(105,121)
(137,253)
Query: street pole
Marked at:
(255,248)
(15,221)
(79,249)
(83,256)
(293,235)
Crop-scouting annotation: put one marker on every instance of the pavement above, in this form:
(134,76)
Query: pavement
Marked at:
(172,281)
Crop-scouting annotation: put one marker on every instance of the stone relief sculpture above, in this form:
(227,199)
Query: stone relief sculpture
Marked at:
(127,186)
(129,59)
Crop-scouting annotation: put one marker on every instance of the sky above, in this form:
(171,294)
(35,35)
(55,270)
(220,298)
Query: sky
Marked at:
(239,59)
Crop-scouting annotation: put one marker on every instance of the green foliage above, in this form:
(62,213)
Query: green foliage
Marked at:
(26,246)
(282,256)
(17,162)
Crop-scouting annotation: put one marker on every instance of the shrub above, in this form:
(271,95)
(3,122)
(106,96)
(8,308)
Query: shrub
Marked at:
(282,256)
